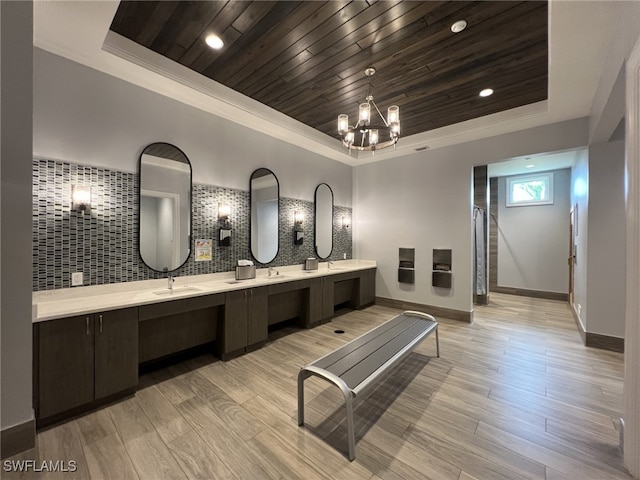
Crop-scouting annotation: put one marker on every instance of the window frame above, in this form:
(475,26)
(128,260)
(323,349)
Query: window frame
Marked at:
(544,176)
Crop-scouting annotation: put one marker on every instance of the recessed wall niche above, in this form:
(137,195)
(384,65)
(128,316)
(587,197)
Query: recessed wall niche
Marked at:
(103,245)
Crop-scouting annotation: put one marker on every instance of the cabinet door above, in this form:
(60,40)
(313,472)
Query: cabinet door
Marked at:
(234,331)
(65,364)
(258,316)
(367,288)
(314,314)
(327,297)
(116,351)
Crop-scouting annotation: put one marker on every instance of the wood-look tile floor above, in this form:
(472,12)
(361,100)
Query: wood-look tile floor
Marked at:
(515,395)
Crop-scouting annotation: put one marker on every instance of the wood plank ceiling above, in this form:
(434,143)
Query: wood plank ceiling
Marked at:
(307,59)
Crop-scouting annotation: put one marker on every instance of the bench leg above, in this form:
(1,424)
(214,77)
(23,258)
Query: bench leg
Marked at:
(302,376)
(351,433)
(437,343)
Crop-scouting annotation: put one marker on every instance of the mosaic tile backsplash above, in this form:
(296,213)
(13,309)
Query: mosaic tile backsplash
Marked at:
(103,244)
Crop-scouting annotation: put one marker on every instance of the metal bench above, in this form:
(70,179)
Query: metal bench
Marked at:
(357,365)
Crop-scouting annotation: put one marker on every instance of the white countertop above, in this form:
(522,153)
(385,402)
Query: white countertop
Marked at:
(66,302)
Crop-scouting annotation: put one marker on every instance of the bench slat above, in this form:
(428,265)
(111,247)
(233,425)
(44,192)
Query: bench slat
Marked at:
(334,356)
(365,368)
(350,355)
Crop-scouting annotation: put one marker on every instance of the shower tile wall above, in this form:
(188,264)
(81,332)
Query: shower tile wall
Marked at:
(103,244)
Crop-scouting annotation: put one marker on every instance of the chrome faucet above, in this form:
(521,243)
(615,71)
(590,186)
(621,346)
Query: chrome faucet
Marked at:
(170,281)
(329,263)
(271,270)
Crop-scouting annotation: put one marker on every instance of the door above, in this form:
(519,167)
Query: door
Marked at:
(116,351)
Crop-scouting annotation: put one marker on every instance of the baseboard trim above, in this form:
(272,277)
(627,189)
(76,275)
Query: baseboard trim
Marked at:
(596,340)
(576,317)
(17,439)
(563,297)
(450,313)
(605,342)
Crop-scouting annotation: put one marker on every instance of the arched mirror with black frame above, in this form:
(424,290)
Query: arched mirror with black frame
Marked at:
(323,221)
(265,195)
(165,207)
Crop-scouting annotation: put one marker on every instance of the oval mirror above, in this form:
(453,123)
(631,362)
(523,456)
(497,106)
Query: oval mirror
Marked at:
(165,207)
(265,193)
(324,220)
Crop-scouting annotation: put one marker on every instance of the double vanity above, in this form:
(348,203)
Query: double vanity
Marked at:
(89,342)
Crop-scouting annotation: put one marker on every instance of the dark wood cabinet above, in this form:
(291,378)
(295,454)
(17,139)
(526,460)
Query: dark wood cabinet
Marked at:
(170,327)
(367,288)
(245,320)
(257,316)
(357,289)
(116,351)
(234,328)
(64,364)
(85,358)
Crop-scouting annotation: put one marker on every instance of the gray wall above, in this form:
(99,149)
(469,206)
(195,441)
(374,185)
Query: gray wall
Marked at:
(533,241)
(424,201)
(87,117)
(580,201)
(16,38)
(606,244)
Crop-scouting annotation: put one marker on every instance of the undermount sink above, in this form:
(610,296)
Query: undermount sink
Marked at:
(276,277)
(177,290)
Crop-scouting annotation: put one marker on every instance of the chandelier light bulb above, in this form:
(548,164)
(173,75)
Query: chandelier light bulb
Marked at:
(364,113)
(373,136)
(343,123)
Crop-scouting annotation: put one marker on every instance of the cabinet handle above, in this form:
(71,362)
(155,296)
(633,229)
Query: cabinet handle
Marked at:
(100,318)
(87,325)
(252,295)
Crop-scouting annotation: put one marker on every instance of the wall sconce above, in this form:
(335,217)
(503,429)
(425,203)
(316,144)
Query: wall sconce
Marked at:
(224,238)
(81,198)
(346,221)
(224,210)
(298,232)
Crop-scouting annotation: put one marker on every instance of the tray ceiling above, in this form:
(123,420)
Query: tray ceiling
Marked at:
(307,59)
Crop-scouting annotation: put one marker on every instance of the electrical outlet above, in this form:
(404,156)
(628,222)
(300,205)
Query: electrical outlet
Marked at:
(344,256)
(76,279)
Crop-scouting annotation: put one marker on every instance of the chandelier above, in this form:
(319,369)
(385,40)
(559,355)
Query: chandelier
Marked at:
(366,134)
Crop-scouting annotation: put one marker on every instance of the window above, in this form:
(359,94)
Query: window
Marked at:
(530,190)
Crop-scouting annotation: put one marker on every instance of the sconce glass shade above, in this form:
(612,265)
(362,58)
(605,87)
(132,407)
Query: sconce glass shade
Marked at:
(349,137)
(224,210)
(373,136)
(343,123)
(393,118)
(81,198)
(364,113)
(298,217)
(346,221)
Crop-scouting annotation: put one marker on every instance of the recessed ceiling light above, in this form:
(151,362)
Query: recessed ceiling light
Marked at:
(214,41)
(486,92)
(529,166)
(459,26)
